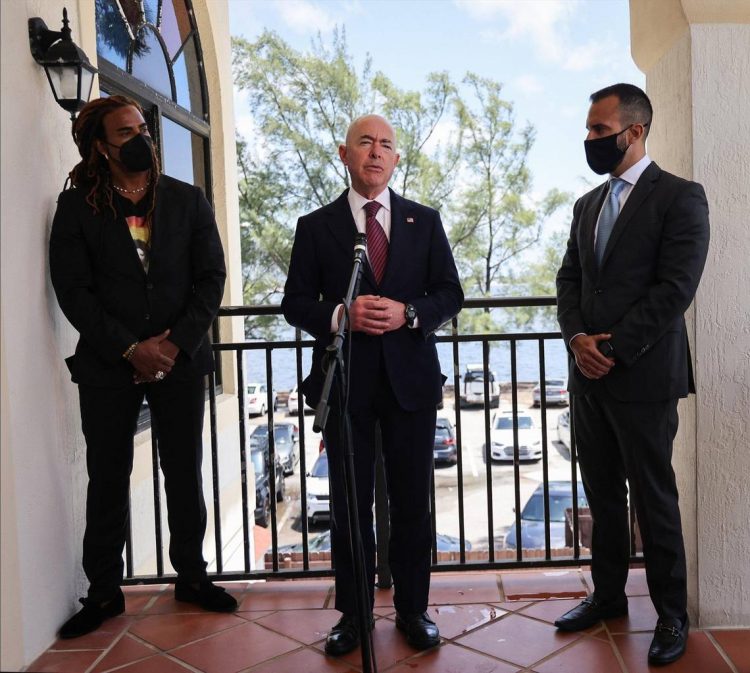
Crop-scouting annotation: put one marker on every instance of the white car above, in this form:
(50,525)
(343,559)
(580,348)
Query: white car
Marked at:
(472,391)
(563,429)
(257,399)
(318,494)
(293,403)
(501,435)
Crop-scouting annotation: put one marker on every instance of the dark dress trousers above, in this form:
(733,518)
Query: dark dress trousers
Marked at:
(107,296)
(394,379)
(626,421)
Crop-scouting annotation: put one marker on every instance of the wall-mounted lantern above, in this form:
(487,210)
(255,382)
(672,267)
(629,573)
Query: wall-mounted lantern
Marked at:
(68,69)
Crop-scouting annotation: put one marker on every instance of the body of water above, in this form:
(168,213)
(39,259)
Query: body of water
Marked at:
(527,362)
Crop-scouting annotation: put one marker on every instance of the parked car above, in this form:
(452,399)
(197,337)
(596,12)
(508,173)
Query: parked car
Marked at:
(257,399)
(532,516)
(563,429)
(501,436)
(285,442)
(444,450)
(261,461)
(556,392)
(322,543)
(292,402)
(318,495)
(472,390)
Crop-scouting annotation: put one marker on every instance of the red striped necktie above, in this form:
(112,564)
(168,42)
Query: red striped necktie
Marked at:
(377,243)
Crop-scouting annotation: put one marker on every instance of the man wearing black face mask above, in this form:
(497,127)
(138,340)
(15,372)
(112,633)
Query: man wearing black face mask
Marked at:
(138,269)
(636,252)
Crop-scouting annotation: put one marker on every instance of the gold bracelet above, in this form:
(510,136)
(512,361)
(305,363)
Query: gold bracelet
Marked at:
(128,354)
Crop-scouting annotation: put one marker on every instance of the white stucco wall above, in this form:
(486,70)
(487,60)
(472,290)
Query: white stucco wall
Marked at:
(670,144)
(43,455)
(696,57)
(721,162)
(41,427)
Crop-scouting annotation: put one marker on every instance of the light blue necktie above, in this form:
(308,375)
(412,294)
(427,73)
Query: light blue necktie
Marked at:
(608,216)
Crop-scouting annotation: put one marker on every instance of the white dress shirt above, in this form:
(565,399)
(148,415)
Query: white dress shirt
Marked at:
(383,216)
(630,176)
(357,204)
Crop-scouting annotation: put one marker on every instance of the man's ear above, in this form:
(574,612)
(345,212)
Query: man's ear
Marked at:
(638,131)
(342,154)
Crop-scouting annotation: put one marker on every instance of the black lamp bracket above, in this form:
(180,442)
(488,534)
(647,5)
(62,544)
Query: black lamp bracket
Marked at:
(42,38)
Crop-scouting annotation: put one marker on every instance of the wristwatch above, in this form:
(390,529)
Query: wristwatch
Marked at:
(606,349)
(410,314)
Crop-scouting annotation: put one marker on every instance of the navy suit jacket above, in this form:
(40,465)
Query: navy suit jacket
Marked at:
(420,270)
(647,279)
(107,296)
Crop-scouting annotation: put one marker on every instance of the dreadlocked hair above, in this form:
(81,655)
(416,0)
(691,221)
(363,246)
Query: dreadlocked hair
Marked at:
(92,172)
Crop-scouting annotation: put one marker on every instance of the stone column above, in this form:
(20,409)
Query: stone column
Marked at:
(696,58)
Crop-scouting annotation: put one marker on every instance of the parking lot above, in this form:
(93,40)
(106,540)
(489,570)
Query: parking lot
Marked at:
(475,492)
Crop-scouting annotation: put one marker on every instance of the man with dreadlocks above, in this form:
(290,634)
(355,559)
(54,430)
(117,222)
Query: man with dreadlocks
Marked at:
(138,268)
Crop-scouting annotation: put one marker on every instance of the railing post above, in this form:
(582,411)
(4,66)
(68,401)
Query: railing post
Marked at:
(382,517)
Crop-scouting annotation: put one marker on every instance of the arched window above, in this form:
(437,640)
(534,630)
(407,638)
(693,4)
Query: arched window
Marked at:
(150,50)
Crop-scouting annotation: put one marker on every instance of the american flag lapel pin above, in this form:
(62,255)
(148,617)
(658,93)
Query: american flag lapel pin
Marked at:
(410,219)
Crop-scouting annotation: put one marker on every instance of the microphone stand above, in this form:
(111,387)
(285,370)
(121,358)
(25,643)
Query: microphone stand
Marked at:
(334,362)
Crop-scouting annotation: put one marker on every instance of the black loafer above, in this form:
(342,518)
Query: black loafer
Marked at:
(344,636)
(207,595)
(421,632)
(590,611)
(670,641)
(91,615)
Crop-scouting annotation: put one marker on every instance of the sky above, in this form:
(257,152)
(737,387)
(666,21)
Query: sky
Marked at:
(550,56)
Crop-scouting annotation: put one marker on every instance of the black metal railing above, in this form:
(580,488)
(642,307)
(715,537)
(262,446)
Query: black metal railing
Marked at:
(493,557)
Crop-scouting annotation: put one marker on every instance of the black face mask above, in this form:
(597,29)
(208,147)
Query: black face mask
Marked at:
(603,155)
(136,154)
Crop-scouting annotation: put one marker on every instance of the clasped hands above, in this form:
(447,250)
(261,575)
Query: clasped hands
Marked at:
(376,315)
(591,363)
(153,358)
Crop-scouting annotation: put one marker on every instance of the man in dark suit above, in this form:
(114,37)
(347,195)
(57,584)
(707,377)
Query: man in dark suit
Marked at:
(409,288)
(636,252)
(137,266)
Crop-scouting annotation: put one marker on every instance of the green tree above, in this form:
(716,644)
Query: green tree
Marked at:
(422,175)
(461,153)
(496,219)
(302,105)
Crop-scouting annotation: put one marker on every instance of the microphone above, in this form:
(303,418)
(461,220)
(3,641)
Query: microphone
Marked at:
(360,248)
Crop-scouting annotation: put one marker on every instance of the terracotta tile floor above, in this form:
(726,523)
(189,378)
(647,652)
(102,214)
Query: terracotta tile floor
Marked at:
(491,622)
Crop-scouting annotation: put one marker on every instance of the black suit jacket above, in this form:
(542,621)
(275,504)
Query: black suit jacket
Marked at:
(108,297)
(420,270)
(648,278)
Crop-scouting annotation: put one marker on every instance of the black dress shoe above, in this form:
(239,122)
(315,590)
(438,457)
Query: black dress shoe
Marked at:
(206,594)
(589,612)
(344,636)
(91,615)
(421,632)
(670,640)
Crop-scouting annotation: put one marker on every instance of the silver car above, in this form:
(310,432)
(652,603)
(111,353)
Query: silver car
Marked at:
(556,392)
